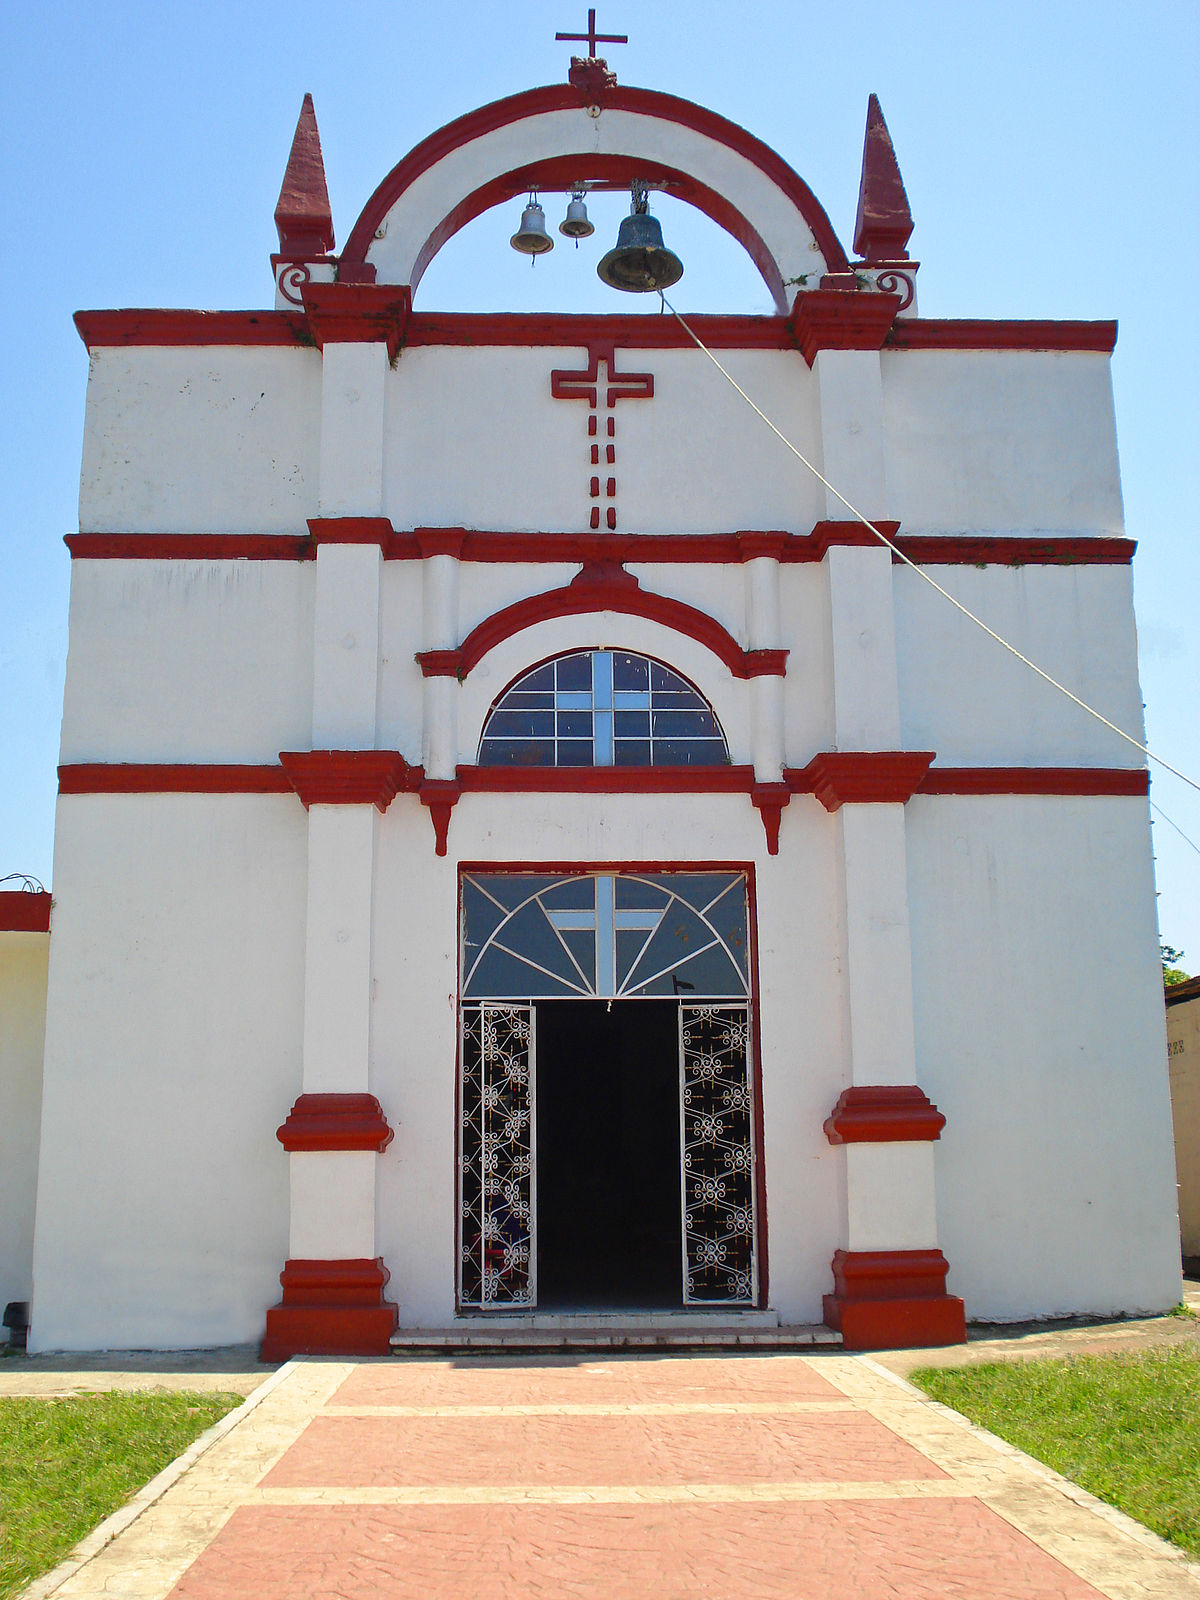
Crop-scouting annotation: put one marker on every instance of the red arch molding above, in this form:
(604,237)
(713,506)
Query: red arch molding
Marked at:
(602,587)
(563,97)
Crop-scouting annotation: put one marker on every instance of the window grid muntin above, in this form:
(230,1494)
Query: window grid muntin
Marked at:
(613,721)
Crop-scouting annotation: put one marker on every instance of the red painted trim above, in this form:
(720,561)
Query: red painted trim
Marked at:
(640,548)
(607,780)
(884,223)
(348,777)
(766,663)
(189,546)
(607,587)
(441,541)
(846,531)
(837,319)
(1036,780)
(893,1299)
(440,795)
(170,777)
(335,1122)
(604,171)
(302,216)
(358,313)
(769,800)
(536,102)
(965,333)
(883,1114)
(352,530)
(24,911)
(331,1308)
(753,543)
(111,329)
(440,663)
(559,329)
(843,777)
(984,550)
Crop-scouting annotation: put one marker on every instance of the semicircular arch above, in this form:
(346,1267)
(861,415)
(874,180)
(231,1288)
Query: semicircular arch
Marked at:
(491,154)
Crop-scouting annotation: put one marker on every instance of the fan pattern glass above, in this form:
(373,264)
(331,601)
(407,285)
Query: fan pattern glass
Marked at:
(602,708)
(605,935)
(496,1157)
(718,1156)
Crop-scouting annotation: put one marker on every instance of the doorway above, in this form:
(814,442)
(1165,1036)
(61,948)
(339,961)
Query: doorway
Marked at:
(608,1168)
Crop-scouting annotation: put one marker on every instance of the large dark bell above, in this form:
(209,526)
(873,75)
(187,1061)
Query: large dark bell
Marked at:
(640,264)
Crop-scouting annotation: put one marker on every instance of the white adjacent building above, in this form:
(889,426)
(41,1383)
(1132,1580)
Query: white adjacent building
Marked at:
(624,885)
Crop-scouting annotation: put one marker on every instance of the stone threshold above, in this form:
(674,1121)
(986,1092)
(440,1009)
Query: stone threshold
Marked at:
(600,1331)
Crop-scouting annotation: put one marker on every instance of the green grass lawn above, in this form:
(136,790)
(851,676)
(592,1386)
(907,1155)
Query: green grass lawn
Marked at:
(1126,1427)
(67,1464)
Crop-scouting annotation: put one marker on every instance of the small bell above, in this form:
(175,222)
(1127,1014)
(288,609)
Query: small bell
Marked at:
(640,264)
(531,239)
(576,225)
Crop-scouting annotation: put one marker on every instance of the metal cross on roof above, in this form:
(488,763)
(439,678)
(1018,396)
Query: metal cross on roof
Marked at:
(593,38)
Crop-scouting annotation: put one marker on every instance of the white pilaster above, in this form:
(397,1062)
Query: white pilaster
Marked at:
(764,628)
(332,1205)
(353,387)
(337,955)
(866,694)
(439,631)
(891,1204)
(346,646)
(851,402)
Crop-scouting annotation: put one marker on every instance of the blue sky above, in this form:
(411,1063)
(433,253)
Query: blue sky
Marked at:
(1048,151)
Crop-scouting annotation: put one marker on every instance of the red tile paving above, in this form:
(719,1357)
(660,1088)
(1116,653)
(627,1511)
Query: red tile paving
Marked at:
(394,1452)
(585,1380)
(862,1550)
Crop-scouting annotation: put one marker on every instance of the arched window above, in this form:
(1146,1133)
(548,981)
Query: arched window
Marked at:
(602,708)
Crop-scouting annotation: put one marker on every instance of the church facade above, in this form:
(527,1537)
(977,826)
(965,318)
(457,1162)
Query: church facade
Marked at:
(524,848)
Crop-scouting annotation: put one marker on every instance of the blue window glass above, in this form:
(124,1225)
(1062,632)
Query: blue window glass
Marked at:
(602,708)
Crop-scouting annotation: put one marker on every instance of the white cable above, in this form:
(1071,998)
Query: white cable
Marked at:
(1175,825)
(908,562)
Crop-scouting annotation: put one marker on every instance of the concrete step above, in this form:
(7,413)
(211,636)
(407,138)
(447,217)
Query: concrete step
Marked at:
(551,1334)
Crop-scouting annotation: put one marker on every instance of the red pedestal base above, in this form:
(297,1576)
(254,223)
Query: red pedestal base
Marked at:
(331,1308)
(893,1299)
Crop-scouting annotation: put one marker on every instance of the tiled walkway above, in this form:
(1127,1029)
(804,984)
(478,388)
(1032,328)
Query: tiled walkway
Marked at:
(652,1478)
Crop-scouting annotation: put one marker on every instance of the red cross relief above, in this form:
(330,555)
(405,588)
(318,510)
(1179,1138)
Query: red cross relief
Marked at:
(602,390)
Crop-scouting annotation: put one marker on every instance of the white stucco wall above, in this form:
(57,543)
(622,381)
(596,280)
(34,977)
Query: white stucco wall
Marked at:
(23,959)
(1040,1035)
(966,697)
(188,660)
(1008,441)
(212,440)
(172,1054)
(473,437)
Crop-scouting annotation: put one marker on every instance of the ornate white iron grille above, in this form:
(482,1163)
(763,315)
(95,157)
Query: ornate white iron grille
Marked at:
(717,1133)
(497,1254)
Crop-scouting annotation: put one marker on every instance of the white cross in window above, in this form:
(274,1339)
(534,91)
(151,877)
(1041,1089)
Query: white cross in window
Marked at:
(606,920)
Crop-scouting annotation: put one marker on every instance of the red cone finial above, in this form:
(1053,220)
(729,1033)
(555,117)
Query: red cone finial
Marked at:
(303,217)
(884,222)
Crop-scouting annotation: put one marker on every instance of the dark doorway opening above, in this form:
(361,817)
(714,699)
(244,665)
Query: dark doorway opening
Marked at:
(608,1178)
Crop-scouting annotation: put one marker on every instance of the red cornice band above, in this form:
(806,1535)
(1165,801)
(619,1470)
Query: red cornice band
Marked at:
(873,777)
(1036,780)
(24,911)
(170,777)
(294,329)
(335,1122)
(883,1114)
(348,777)
(102,777)
(841,319)
(650,549)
